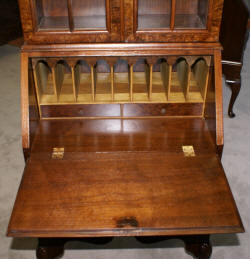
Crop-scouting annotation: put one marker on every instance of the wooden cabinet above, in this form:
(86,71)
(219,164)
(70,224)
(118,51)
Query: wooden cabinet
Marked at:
(172,21)
(71,21)
(77,21)
(122,124)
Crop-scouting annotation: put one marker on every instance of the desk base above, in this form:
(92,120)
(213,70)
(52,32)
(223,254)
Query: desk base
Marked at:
(198,245)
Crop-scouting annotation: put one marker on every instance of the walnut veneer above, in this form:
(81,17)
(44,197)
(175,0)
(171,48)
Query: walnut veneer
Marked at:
(122,124)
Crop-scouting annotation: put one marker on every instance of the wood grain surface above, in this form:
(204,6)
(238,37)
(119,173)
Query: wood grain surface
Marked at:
(106,135)
(122,24)
(140,175)
(114,110)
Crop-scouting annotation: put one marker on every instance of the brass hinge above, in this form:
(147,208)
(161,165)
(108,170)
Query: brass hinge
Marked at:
(58,153)
(188,151)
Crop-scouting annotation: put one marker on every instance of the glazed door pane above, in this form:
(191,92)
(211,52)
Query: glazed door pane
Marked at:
(55,14)
(71,21)
(191,14)
(51,15)
(154,14)
(89,14)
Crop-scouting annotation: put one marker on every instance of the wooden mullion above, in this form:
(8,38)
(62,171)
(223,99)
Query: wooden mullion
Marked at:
(70,15)
(173,8)
(108,15)
(135,16)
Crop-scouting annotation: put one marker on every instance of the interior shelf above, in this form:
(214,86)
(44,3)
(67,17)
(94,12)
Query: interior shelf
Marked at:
(189,21)
(154,14)
(153,21)
(55,15)
(54,23)
(100,81)
(93,22)
(162,21)
(187,14)
(51,15)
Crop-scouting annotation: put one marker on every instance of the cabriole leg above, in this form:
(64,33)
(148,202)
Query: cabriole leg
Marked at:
(235,88)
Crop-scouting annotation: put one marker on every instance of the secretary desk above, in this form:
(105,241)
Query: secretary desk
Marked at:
(122,124)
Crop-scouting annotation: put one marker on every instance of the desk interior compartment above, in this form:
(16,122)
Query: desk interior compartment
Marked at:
(167,80)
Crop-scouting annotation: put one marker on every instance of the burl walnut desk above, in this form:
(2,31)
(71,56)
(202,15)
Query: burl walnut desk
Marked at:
(122,124)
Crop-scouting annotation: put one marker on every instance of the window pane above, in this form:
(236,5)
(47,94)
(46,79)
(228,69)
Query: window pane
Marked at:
(52,15)
(89,14)
(191,14)
(153,14)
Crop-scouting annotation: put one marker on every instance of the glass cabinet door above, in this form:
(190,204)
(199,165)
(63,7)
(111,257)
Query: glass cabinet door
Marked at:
(71,15)
(51,14)
(191,14)
(172,14)
(171,20)
(89,14)
(154,14)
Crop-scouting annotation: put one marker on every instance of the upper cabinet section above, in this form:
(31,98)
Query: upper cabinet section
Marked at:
(172,20)
(70,21)
(79,21)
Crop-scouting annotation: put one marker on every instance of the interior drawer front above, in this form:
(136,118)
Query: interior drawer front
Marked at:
(87,110)
(168,109)
(125,110)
